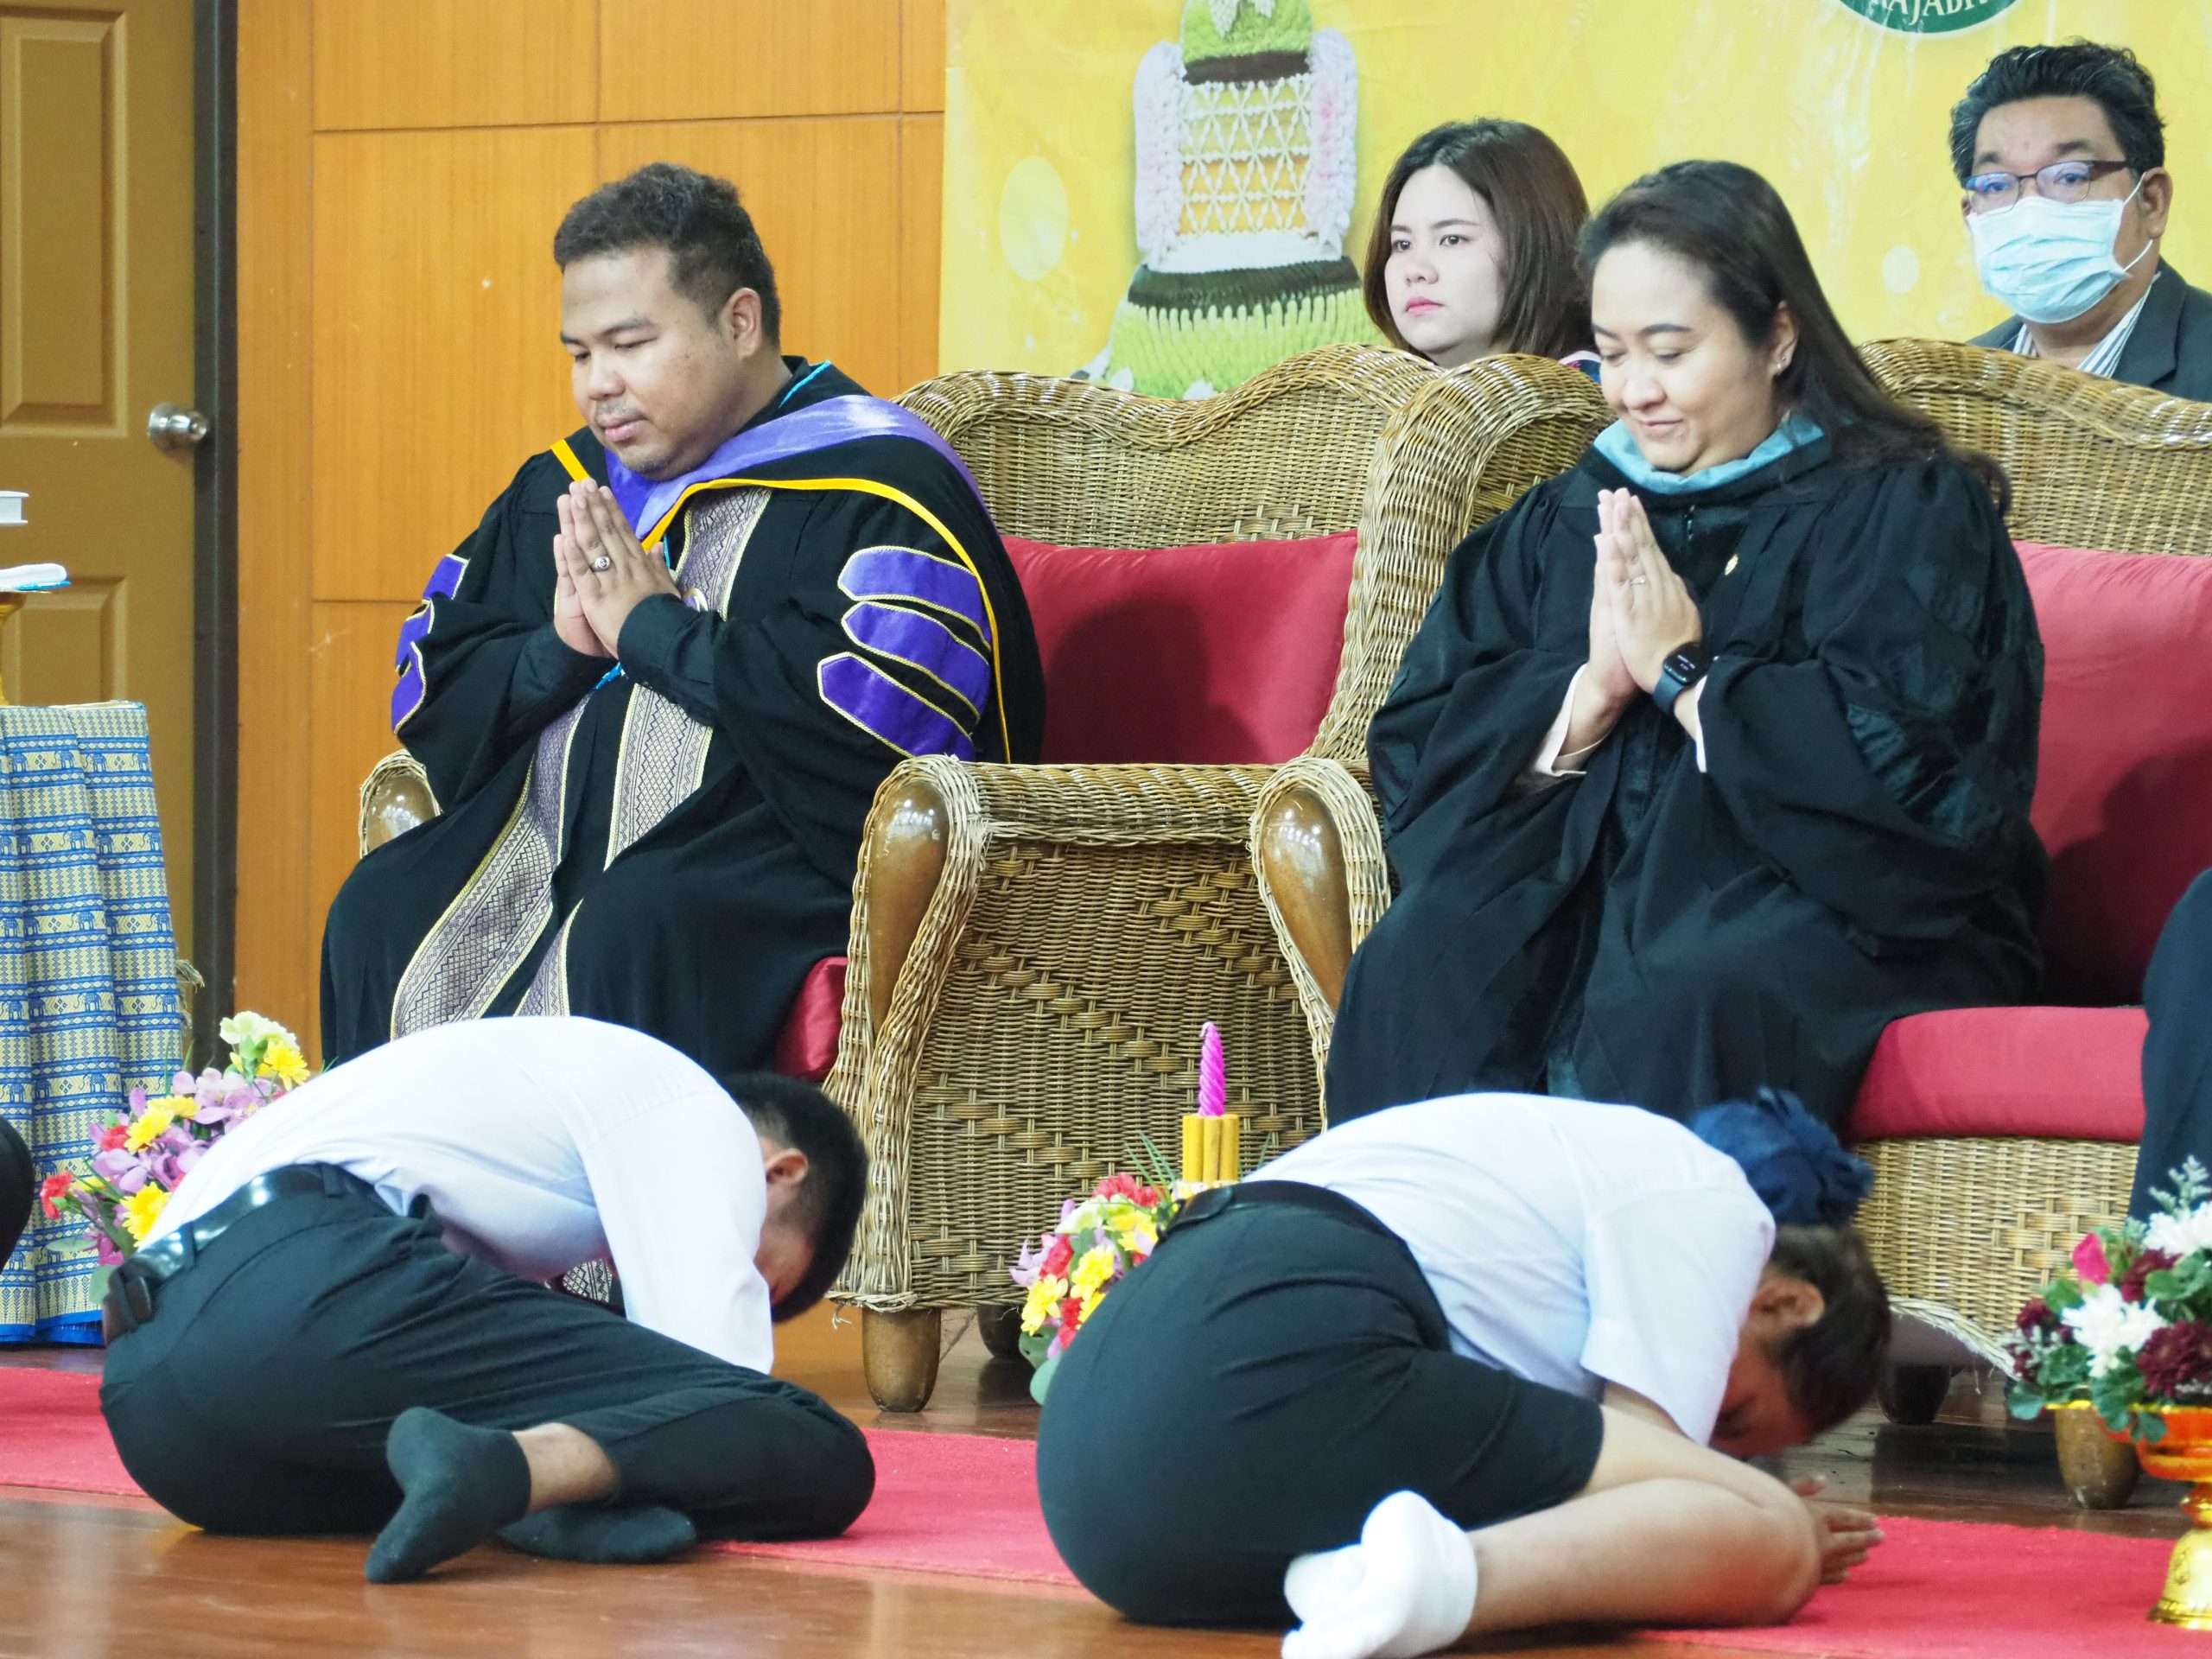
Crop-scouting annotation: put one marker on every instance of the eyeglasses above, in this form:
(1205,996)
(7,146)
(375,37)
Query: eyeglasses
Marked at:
(1993,193)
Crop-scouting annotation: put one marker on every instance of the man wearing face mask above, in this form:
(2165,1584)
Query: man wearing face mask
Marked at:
(2062,154)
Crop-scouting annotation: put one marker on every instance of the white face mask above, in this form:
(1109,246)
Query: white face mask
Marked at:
(2050,261)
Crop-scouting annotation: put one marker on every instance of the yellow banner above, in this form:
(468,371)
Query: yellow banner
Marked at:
(1086,137)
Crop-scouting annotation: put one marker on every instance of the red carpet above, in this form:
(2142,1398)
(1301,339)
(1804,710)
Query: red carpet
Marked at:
(965,1504)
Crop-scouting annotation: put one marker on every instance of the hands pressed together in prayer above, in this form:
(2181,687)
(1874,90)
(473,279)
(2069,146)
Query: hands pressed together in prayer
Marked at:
(1847,1534)
(601,571)
(1640,612)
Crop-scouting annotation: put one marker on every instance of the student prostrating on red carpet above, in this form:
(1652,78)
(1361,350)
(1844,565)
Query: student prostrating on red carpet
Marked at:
(1473,1365)
(357,1274)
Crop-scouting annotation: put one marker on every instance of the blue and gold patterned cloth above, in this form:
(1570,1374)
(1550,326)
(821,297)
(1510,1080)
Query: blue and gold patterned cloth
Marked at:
(89,1004)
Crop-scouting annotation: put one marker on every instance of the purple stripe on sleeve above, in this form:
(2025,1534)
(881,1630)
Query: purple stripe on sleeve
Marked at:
(904,573)
(878,704)
(412,633)
(407,696)
(923,643)
(445,581)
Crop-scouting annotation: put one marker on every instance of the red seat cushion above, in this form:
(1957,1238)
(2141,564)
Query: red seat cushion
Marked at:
(2124,785)
(808,1043)
(2072,1074)
(1222,654)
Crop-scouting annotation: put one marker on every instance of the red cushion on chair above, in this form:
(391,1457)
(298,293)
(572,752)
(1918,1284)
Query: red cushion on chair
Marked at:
(2124,790)
(1218,655)
(2073,1074)
(808,1043)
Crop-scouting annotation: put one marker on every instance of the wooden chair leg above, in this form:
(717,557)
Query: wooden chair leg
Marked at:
(899,1352)
(2099,1472)
(1001,1331)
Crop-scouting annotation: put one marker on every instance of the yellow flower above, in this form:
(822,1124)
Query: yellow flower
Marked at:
(1043,1303)
(283,1061)
(141,1210)
(1093,1271)
(153,1124)
(1136,1233)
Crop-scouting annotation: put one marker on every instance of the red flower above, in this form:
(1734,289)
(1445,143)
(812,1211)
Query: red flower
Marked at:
(1056,1258)
(2151,1262)
(2090,1261)
(2034,1317)
(113,1137)
(52,1190)
(2175,1358)
(1071,1315)
(1119,1186)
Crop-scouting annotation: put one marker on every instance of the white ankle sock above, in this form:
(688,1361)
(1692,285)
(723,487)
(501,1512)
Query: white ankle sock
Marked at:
(1406,1588)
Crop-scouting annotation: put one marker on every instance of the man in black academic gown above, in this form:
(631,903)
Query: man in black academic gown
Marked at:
(656,689)
(2061,154)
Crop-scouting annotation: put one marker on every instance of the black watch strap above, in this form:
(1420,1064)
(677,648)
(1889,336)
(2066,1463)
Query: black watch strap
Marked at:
(1683,668)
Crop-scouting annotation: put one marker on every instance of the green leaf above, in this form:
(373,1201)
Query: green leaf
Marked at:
(2024,1400)
(1042,1379)
(2116,1394)
(1032,1347)
(2178,1283)
(2062,1294)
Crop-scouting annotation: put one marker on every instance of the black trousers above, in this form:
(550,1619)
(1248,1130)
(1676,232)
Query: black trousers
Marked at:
(257,1397)
(1275,1370)
(2177,1054)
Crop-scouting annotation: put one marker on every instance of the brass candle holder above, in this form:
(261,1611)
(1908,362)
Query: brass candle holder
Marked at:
(2185,1453)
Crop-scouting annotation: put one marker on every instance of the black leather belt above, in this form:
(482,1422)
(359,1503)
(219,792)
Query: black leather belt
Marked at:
(129,1299)
(1217,1200)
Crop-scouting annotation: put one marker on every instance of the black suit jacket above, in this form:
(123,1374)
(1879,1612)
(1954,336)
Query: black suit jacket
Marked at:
(2170,350)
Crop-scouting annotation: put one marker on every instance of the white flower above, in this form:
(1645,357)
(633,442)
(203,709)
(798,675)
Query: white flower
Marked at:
(2108,1326)
(246,1026)
(2176,1235)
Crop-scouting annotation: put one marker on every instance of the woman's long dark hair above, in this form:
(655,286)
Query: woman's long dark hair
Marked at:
(1536,202)
(1729,223)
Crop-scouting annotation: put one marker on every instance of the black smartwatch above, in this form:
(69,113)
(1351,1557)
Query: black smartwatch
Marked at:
(1683,668)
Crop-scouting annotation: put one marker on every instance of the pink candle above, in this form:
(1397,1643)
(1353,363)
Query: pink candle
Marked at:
(1213,1074)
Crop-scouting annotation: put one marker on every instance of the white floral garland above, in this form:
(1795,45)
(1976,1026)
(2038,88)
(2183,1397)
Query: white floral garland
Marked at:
(1159,108)
(1332,167)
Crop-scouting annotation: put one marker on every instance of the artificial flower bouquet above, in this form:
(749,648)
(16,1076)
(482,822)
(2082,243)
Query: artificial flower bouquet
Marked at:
(2129,1331)
(1099,1239)
(139,1160)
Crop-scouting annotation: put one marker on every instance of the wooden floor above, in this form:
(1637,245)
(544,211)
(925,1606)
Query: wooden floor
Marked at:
(83,1578)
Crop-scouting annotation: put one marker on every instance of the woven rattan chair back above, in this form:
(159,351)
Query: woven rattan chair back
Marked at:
(2094,464)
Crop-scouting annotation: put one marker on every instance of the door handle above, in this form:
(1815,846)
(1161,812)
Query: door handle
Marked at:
(174,429)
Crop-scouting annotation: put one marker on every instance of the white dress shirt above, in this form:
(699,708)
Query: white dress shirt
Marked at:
(2104,356)
(1569,1244)
(541,1144)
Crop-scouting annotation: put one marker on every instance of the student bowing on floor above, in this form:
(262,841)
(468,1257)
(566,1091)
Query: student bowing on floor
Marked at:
(359,1275)
(1473,1365)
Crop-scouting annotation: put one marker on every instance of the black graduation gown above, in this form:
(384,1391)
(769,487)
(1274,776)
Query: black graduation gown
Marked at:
(1858,849)
(702,931)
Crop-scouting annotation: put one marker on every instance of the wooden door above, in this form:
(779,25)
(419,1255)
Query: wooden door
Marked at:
(96,298)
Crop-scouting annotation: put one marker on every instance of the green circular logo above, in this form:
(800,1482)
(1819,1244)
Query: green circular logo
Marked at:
(1928,16)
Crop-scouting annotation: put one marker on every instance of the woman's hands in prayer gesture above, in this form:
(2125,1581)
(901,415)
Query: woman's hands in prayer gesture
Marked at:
(1654,614)
(603,572)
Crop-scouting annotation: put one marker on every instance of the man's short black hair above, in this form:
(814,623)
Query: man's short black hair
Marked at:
(2110,74)
(800,1115)
(712,245)
(1831,1368)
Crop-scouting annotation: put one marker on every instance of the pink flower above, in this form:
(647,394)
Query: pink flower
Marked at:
(2090,1261)
(1058,1257)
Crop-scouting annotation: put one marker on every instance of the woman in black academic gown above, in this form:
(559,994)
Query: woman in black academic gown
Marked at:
(1714,754)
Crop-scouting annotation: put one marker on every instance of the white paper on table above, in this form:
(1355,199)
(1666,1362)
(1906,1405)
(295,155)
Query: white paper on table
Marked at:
(11,506)
(29,578)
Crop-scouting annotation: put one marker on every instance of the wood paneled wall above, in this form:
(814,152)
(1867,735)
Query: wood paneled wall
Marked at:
(401,166)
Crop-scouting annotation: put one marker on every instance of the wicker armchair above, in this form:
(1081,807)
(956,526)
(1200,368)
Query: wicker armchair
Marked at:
(1034,948)
(1974,1227)
(1968,1227)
